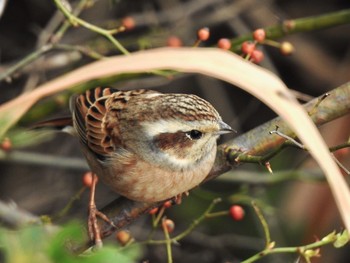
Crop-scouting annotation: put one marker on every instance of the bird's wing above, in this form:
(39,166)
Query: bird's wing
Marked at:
(95,117)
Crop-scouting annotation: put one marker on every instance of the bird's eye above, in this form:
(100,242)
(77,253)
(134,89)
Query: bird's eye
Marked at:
(194,134)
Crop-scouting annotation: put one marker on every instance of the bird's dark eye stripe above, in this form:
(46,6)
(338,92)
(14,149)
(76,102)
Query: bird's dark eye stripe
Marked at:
(194,134)
(177,140)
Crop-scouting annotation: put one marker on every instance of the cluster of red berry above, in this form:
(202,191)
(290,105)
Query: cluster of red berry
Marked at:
(248,48)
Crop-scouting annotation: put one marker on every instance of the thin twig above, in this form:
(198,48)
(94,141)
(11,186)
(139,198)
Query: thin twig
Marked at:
(78,21)
(25,61)
(194,224)
(32,57)
(16,156)
(69,205)
(329,239)
(168,241)
(86,51)
(48,36)
(264,225)
(288,138)
(66,24)
(301,146)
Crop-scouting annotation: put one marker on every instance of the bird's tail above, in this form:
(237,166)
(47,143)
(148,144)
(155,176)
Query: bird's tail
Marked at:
(64,124)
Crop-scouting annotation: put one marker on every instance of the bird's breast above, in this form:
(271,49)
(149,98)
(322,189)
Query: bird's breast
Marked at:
(142,181)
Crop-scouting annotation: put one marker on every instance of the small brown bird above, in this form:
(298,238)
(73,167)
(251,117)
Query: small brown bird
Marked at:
(146,145)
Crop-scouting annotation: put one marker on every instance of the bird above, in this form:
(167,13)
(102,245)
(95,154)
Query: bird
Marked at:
(146,145)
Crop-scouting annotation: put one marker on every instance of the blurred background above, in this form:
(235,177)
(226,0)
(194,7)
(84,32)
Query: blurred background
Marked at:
(298,209)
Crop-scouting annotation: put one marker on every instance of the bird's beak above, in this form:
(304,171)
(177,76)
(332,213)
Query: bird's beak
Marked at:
(224,128)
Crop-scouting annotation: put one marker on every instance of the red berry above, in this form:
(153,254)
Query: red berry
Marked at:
(248,47)
(167,204)
(6,144)
(123,237)
(174,41)
(259,35)
(168,225)
(87,179)
(153,211)
(128,22)
(224,43)
(257,56)
(237,212)
(203,34)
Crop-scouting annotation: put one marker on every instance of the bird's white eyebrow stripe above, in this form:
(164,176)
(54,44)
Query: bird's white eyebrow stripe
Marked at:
(154,128)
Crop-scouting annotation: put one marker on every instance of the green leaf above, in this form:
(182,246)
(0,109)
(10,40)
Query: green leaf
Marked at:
(48,244)
(58,247)
(24,245)
(112,254)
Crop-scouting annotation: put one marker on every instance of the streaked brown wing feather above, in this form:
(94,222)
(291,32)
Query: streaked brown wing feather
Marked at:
(88,110)
(95,117)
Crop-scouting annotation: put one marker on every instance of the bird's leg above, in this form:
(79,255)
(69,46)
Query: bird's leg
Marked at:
(93,227)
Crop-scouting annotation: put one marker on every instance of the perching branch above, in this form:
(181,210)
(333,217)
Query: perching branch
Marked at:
(258,142)
(292,26)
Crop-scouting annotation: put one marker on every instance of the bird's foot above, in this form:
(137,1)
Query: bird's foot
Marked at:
(94,230)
